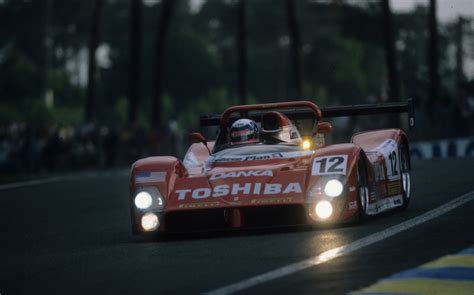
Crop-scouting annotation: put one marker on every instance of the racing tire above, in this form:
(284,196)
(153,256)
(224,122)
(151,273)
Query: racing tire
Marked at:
(363,191)
(405,174)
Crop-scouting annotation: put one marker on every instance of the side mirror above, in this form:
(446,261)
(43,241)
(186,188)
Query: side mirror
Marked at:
(324,128)
(199,138)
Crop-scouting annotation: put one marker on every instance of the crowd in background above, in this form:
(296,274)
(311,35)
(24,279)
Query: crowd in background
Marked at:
(27,149)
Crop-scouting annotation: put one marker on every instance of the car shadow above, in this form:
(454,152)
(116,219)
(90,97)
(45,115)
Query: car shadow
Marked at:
(237,233)
(385,217)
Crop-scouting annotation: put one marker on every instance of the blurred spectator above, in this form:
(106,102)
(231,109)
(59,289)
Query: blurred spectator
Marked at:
(30,149)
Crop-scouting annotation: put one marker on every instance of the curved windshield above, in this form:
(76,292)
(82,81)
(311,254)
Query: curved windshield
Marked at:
(259,152)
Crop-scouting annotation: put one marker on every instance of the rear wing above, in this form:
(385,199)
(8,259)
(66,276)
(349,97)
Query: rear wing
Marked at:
(330,112)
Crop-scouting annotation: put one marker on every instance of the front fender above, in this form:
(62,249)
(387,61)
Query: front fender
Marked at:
(165,172)
(335,161)
(170,168)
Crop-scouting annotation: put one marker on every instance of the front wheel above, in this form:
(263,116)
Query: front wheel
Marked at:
(405,174)
(363,190)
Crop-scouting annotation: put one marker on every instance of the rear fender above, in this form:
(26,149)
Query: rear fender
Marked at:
(369,140)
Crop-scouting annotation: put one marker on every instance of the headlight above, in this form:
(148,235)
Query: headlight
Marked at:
(306,144)
(323,209)
(150,222)
(143,200)
(333,188)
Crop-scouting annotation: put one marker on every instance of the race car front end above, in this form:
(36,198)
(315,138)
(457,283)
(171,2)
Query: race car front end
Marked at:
(255,193)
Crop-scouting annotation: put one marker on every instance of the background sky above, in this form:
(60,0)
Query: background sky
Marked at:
(447,9)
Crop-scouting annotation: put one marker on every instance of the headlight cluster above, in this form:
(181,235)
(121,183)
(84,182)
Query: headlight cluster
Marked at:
(323,206)
(148,199)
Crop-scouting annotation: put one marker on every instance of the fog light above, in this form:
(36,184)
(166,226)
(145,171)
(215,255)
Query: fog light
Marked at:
(333,188)
(143,200)
(150,222)
(323,209)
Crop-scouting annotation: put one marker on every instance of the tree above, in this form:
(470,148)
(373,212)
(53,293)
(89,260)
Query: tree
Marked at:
(433,57)
(293,28)
(242,52)
(460,78)
(390,52)
(93,43)
(135,59)
(162,32)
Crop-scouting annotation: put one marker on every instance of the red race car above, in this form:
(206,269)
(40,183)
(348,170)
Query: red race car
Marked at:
(269,165)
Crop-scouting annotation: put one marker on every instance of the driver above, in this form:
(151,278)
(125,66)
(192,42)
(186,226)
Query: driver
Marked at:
(244,131)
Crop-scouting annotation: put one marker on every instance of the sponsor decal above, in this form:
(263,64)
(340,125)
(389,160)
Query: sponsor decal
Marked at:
(224,190)
(241,174)
(199,205)
(294,135)
(148,176)
(352,205)
(256,157)
(329,165)
(271,201)
(384,204)
(394,188)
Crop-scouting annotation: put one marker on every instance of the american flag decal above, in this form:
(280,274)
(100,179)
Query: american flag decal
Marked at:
(147,177)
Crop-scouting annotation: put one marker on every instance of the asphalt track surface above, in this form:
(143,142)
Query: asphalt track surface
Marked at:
(73,236)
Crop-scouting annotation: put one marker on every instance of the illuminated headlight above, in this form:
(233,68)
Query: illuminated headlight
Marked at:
(150,222)
(143,200)
(306,144)
(333,188)
(323,209)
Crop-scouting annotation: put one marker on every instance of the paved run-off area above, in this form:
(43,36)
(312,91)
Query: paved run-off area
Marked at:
(73,236)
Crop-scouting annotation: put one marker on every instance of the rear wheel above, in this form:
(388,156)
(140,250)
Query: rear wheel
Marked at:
(405,174)
(363,190)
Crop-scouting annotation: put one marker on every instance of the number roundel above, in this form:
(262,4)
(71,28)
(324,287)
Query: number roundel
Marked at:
(393,162)
(328,165)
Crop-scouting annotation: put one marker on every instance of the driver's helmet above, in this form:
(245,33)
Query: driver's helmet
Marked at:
(244,131)
(277,128)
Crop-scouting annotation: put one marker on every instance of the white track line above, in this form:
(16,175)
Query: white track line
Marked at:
(61,178)
(345,249)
